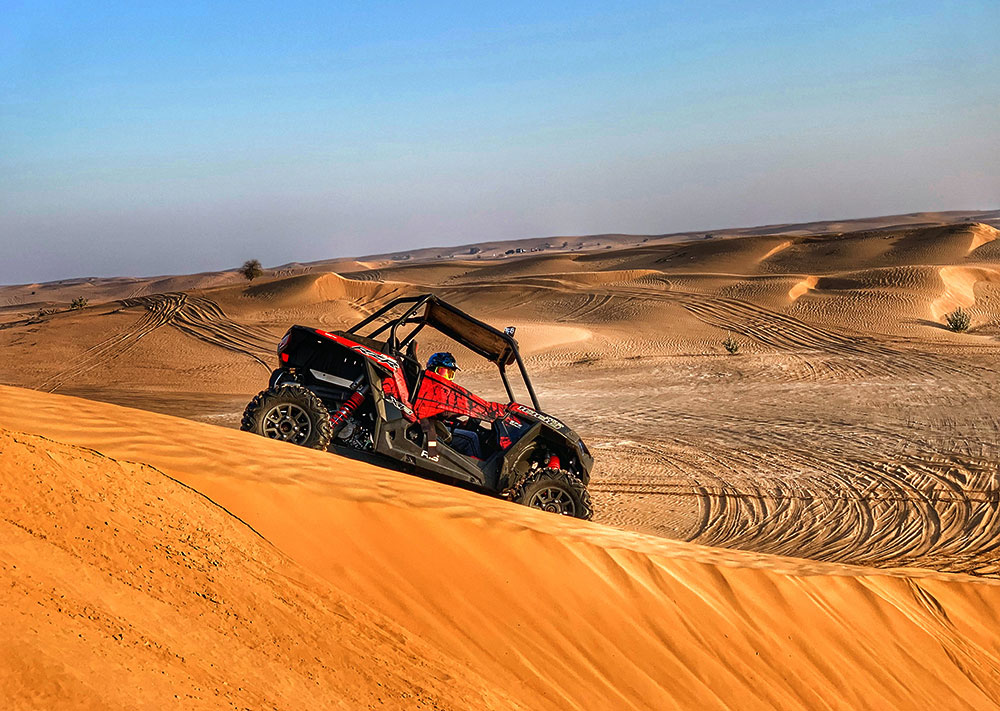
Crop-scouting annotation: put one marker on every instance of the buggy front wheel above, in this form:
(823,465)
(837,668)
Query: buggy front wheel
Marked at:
(557,491)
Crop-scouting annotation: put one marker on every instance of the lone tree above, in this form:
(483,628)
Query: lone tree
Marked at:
(251,269)
(958,320)
(79,303)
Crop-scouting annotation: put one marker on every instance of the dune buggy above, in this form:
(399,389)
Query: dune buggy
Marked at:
(363,393)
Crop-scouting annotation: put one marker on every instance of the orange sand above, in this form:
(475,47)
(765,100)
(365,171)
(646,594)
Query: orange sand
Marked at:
(371,589)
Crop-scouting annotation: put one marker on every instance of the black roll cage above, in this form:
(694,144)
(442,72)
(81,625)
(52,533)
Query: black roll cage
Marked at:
(493,344)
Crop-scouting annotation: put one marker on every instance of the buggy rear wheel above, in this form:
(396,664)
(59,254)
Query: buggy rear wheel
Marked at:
(557,491)
(289,413)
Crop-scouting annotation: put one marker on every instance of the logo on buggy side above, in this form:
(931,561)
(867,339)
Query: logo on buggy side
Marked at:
(541,417)
(401,406)
(381,358)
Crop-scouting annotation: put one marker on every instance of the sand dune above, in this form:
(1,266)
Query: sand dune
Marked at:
(960,287)
(311,289)
(982,234)
(124,589)
(874,311)
(850,428)
(33,296)
(351,599)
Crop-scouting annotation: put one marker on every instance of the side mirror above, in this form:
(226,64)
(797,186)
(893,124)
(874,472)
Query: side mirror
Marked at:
(510,331)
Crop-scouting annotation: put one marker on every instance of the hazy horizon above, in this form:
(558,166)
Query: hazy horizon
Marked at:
(145,141)
(417,247)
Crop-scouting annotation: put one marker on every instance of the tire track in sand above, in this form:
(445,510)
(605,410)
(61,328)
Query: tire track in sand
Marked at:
(787,333)
(911,477)
(195,316)
(941,511)
(855,355)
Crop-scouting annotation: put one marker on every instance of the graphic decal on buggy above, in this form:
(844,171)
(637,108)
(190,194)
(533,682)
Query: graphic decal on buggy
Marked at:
(438,396)
(399,389)
(380,358)
(391,391)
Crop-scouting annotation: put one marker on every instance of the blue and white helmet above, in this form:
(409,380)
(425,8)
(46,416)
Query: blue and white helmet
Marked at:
(442,360)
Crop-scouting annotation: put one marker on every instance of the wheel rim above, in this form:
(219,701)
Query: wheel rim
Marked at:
(553,499)
(289,423)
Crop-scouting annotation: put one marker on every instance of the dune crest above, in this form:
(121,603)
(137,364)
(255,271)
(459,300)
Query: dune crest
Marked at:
(807,284)
(547,613)
(306,289)
(982,234)
(960,287)
(777,248)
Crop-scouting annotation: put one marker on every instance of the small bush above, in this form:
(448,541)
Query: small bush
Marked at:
(251,269)
(958,320)
(40,315)
(79,303)
(731,345)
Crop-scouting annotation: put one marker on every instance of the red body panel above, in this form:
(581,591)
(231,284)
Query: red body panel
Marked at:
(395,385)
(439,396)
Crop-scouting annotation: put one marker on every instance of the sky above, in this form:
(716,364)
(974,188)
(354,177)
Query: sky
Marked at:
(157,138)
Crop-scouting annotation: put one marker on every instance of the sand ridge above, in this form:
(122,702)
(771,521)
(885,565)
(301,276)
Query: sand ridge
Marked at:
(981,235)
(548,613)
(960,287)
(802,287)
(318,287)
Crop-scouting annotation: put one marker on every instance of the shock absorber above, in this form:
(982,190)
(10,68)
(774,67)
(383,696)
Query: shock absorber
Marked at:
(339,418)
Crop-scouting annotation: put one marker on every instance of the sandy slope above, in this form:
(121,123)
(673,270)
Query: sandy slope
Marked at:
(373,589)
(124,589)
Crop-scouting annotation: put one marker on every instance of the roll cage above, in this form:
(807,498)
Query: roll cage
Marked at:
(496,346)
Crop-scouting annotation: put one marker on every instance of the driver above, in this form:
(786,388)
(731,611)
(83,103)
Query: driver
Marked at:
(442,364)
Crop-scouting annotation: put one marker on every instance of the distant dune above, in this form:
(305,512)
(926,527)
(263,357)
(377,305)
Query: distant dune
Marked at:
(154,562)
(121,287)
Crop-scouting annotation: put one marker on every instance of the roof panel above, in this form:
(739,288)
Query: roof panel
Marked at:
(471,333)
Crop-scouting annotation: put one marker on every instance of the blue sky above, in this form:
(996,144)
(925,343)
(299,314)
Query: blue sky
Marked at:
(160,138)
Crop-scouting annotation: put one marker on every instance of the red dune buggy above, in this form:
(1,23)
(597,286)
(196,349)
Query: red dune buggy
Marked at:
(363,393)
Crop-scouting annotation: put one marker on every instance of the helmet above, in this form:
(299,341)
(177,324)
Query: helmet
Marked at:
(442,360)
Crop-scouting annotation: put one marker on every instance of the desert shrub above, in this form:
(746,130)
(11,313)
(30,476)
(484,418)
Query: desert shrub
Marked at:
(251,269)
(731,345)
(40,315)
(958,320)
(79,302)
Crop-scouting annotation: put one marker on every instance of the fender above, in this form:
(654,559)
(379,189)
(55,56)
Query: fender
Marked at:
(517,453)
(280,377)
(542,435)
